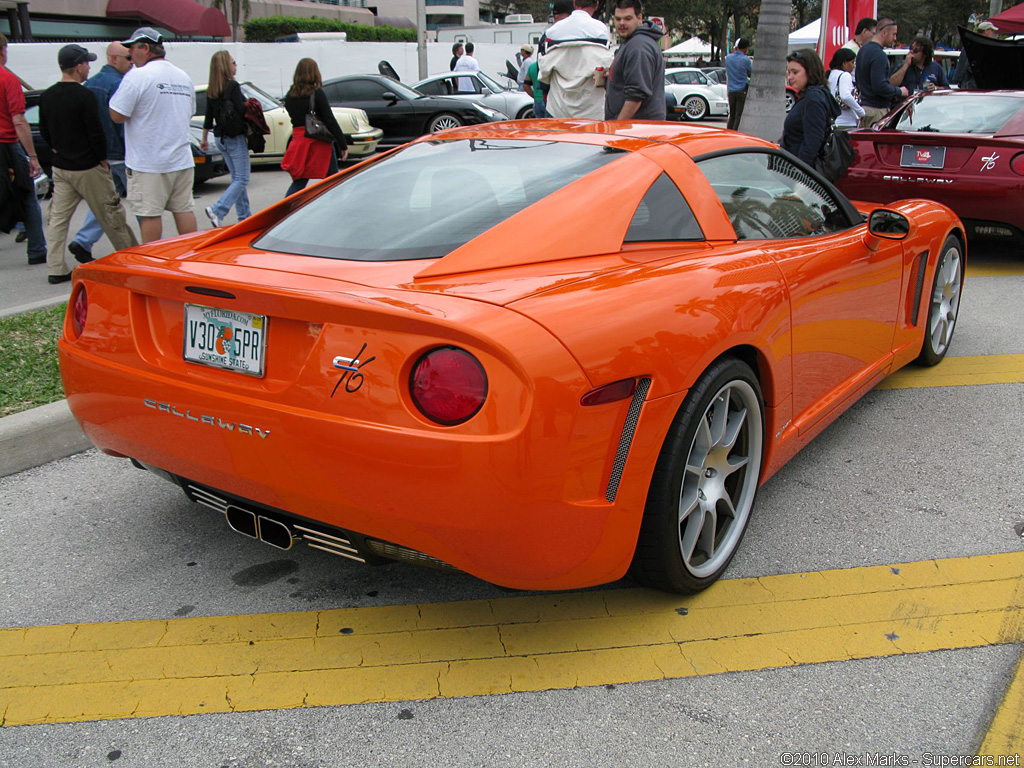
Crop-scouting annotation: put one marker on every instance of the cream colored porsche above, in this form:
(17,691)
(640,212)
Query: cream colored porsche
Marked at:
(362,137)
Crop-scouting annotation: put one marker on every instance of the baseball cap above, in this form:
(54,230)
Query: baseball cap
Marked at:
(527,48)
(985,26)
(143,35)
(72,55)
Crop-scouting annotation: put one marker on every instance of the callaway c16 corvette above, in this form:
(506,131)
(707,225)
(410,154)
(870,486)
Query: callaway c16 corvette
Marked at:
(545,353)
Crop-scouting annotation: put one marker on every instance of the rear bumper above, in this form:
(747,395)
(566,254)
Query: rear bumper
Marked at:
(527,509)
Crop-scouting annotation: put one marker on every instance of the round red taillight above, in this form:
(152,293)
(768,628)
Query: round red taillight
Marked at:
(79,311)
(448,385)
(1017,164)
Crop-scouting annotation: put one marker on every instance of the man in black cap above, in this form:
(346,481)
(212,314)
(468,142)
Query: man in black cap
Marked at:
(69,121)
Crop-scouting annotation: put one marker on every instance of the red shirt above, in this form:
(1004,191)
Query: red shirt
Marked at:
(12,102)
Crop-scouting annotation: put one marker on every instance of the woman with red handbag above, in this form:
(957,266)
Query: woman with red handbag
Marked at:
(308,157)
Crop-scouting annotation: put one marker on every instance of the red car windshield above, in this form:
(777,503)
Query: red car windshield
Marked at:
(958,113)
(430,198)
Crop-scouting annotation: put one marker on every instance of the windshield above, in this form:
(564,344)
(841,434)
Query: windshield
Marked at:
(958,113)
(430,198)
(401,90)
(267,102)
(490,83)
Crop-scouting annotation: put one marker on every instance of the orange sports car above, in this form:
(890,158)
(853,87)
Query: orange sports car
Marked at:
(542,352)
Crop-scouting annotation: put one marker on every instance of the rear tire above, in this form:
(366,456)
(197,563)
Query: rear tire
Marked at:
(705,482)
(944,304)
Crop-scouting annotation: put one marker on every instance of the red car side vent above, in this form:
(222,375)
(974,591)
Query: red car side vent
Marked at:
(1017,164)
(610,393)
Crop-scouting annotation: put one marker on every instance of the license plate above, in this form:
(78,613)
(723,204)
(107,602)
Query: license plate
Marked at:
(225,338)
(923,157)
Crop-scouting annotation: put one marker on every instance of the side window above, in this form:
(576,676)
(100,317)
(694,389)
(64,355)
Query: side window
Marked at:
(358,90)
(768,197)
(201,103)
(435,88)
(689,78)
(663,214)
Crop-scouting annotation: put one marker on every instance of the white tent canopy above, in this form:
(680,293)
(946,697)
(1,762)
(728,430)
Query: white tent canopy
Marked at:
(806,36)
(692,47)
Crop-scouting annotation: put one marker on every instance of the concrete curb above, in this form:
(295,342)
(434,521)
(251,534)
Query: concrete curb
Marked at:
(39,436)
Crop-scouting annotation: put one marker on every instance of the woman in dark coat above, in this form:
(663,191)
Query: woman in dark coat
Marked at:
(225,114)
(806,126)
(308,158)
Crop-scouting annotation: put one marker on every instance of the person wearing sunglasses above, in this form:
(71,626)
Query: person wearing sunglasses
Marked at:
(871,73)
(103,85)
(920,71)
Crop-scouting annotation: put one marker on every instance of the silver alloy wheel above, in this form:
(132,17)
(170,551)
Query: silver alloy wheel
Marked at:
(790,100)
(719,480)
(945,300)
(444,122)
(695,107)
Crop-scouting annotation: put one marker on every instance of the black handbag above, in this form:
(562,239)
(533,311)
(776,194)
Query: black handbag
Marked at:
(315,127)
(836,155)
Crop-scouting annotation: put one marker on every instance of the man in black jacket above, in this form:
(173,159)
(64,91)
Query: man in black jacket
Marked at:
(636,83)
(69,121)
(877,93)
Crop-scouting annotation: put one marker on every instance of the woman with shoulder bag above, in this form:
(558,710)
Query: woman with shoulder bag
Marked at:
(808,122)
(225,114)
(840,84)
(307,157)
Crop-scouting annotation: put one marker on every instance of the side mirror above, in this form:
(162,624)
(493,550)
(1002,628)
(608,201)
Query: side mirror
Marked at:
(389,97)
(888,225)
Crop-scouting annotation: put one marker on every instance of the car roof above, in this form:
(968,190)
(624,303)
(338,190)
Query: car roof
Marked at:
(694,140)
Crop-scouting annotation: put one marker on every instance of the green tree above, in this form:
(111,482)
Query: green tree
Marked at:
(937,19)
(239,12)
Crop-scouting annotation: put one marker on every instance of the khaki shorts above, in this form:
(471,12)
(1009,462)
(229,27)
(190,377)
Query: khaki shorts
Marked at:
(150,194)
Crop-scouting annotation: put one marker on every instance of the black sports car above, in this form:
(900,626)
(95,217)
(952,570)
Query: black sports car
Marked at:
(209,162)
(404,113)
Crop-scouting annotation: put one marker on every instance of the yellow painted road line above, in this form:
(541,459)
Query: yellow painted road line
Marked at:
(277,661)
(995,269)
(960,372)
(1006,733)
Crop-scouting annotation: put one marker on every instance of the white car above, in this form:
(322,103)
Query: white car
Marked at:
(362,137)
(697,97)
(487,92)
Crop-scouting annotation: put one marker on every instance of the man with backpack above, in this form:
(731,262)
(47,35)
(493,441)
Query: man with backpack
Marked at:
(103,85)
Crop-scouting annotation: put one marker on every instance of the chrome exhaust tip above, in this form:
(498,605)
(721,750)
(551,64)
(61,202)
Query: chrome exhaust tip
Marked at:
(241,521)
(275,533)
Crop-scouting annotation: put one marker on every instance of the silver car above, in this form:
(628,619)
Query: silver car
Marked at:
(479,88)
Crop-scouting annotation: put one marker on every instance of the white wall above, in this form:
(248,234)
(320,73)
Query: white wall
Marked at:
(269,65)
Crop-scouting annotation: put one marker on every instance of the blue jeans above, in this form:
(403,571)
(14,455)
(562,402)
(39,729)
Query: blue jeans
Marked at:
(91,230)
(236,156)
(33,214)
(331,170)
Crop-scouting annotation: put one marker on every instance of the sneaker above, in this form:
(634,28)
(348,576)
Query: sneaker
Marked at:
(214,219)
(21,237)
(55,279)
(37,259)
(81,255)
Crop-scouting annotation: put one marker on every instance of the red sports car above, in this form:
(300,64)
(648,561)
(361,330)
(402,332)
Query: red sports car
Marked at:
(542,352)
(962,148)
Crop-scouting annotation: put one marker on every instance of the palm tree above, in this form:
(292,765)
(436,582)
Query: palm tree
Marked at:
(239,8)
(765,109)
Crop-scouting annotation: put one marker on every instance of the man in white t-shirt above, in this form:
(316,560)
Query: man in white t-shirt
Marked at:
(467,63)
(156,101)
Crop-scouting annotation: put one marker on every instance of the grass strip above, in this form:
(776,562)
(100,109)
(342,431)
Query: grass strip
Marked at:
(29,374)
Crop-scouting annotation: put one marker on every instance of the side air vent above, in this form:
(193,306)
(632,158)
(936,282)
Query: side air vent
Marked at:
(626,439)
(406,555)
(922,262)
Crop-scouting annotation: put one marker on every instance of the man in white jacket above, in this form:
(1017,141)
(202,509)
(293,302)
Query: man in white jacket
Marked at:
(576,47)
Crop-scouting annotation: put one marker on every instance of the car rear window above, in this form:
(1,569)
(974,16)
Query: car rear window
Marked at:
(430,198)
(958,113)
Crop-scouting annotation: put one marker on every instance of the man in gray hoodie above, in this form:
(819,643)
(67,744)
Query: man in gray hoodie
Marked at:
(636,83)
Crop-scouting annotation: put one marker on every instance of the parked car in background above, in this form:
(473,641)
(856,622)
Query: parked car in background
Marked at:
(404,113)
(696,96)
(457,356)
(362,137)
(962,148)
(513,103)
(718,73)
(209,162)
